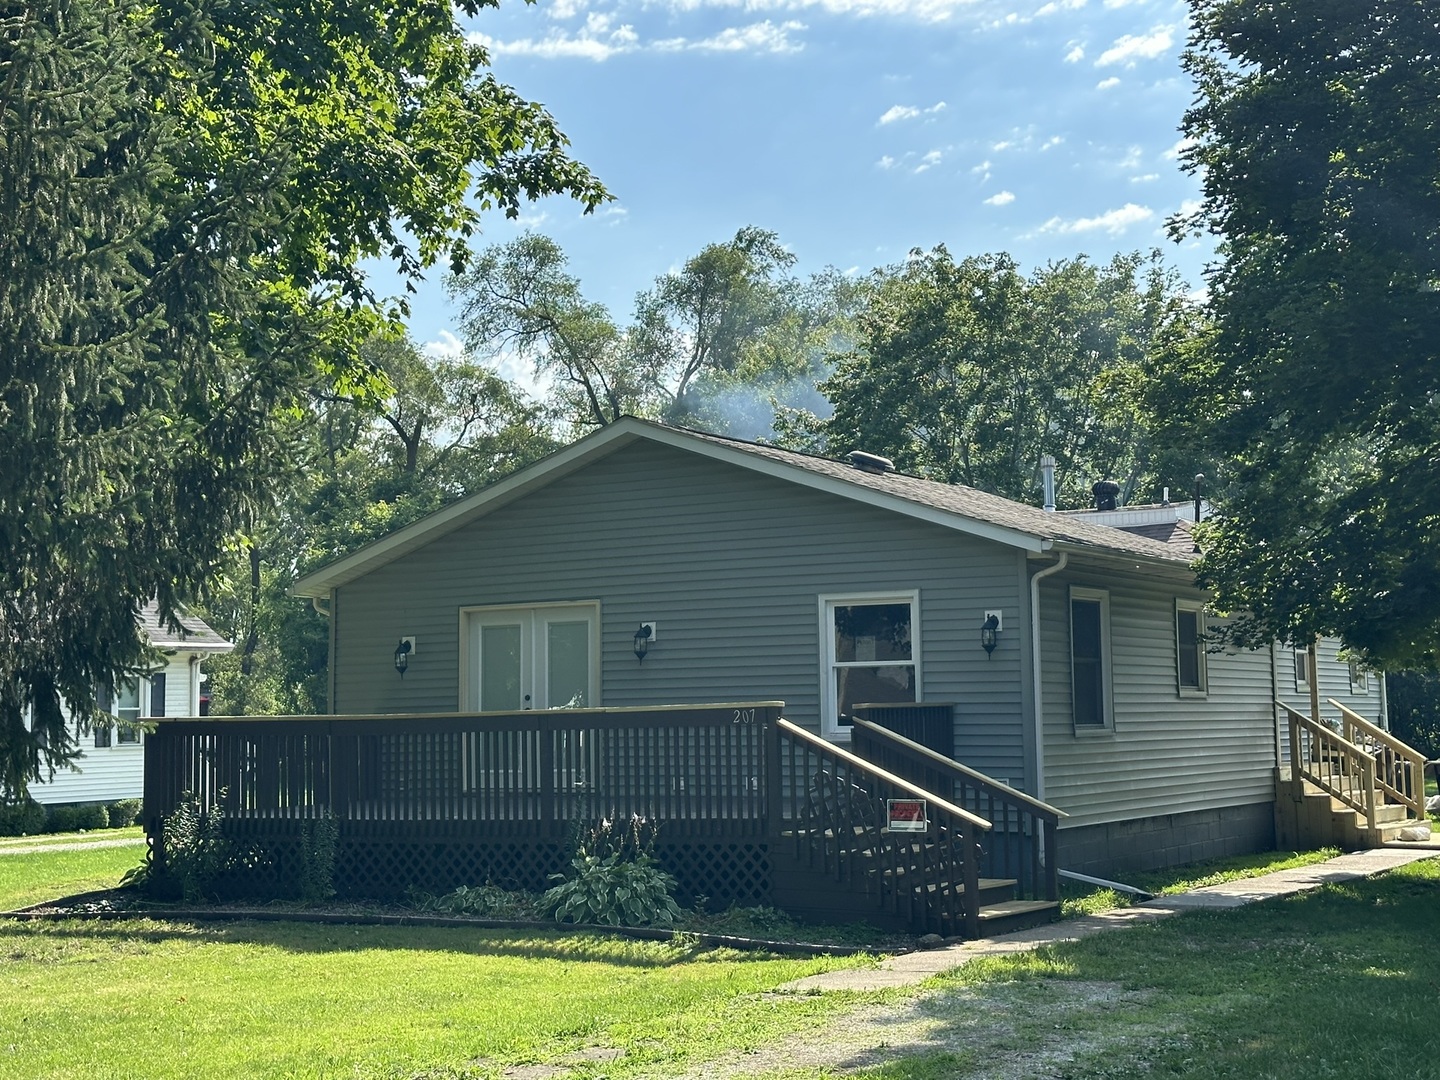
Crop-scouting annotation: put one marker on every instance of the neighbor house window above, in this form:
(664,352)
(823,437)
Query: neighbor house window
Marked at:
(871,654)
(1302,670)
(1090,659)
(1359,678)
(1190,646)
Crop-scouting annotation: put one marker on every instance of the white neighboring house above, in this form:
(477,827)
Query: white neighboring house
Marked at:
(113,763)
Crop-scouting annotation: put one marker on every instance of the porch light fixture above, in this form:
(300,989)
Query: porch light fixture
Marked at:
(990,632)
(642,641)
(402,656)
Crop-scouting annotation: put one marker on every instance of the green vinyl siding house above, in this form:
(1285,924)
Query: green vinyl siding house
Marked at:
(767,575)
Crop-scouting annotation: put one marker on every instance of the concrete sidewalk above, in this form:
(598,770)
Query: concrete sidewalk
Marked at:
(915,967)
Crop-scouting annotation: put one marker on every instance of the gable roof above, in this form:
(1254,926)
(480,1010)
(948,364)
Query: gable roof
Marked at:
(194,634)
(966,510)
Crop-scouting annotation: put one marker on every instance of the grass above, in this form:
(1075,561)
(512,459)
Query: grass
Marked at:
(297,1000)
(31,877)
(130,832)
(1335,983)
(1077,899)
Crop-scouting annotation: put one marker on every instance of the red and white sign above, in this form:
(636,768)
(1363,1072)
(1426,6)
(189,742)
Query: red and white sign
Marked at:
(906,815)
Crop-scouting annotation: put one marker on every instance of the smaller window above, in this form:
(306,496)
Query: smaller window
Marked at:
(1190,647)
(1359,678)
(102,737)
(1302,670)
(1090,659)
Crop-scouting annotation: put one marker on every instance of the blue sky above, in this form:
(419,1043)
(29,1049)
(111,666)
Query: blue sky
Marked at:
(855,129)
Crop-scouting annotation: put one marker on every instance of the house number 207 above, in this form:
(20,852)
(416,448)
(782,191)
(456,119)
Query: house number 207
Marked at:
(744,716)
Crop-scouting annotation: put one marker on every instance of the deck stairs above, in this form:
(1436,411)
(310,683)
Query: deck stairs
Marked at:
(968,875)
(1347,784)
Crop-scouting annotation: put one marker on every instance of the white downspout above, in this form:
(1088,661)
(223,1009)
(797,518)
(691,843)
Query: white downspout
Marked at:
(194,684)
(1037,695)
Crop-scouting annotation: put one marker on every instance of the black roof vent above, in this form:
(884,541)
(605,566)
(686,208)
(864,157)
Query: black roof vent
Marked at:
(870,462)
(1107,494)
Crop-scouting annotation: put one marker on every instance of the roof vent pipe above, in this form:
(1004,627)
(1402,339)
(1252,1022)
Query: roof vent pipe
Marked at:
(1199,489)
(872,463)
(1047,477)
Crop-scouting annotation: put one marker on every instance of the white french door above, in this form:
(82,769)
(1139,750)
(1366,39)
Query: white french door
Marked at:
(539,657)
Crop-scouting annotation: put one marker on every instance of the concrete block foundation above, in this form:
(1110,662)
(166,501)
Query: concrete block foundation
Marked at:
(1152,843)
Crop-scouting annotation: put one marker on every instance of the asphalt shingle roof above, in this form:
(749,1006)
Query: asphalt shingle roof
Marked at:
(193,632)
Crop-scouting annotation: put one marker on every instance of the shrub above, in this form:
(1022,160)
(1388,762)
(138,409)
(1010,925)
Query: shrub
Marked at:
(22,819)
(93,816)
(486,901)
(196,854)
(316,871)
(614,879)
(62,819)
(124,812)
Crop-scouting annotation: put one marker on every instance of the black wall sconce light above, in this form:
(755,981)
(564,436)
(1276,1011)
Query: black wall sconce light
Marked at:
(402,655)
(990,632)
(643,637)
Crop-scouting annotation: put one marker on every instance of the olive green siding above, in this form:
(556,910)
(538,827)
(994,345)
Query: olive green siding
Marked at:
(1166,753)
(729,563)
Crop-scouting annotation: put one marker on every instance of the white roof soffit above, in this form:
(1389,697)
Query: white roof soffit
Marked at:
(598,445)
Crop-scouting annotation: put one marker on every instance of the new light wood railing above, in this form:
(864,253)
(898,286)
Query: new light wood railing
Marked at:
(1021,842)
(1399,768)
(834,811)
(1330,761)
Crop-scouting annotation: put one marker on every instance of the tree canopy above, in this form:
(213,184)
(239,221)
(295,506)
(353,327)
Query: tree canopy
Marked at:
(186,192)
(969,371)
(1314,138)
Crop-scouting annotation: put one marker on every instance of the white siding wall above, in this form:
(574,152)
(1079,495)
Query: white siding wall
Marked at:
(728,562)
(1167,753)
(117,771)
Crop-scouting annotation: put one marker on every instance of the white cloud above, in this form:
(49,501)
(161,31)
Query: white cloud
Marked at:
(1190,207)
(613,214)
(1179,148)
(1000,198)
(1113,222)
(921,10)
(899,112)
(930,160)
(1148,178)
(1130,48)
(887,162)
(1075,55)
(910,112)
(983,167)
(446,347)
(1123,3)
(1052,142)
(1131,160)
(596,41)
(1056,6)
(1107,84)
(565,9)
(532,221)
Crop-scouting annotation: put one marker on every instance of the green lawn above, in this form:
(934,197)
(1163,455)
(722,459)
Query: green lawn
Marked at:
(129,832)
(94,1001)
(31,877)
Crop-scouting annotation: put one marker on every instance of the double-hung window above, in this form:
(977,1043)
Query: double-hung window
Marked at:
(1091,695)
(871,653)
(1359,678)
(1190,647)
(1302,671)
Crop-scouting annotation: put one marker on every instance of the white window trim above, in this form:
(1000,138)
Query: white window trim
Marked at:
(1198,607)
(1359,679)
(1302,686)
(469,686)
(829,708)
(1081,592)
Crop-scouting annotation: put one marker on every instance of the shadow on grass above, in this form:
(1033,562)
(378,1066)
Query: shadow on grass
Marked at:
(540,944)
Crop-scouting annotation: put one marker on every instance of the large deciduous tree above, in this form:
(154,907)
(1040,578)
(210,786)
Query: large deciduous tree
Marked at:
(1314,135)
(969,371)
(186,193)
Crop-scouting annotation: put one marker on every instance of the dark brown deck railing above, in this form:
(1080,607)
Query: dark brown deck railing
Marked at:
(1022,842)
(835,817)
(437,801)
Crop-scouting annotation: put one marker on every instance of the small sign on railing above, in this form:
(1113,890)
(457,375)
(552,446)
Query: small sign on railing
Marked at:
(906,815)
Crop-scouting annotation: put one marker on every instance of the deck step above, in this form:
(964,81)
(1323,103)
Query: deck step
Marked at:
(1012,915)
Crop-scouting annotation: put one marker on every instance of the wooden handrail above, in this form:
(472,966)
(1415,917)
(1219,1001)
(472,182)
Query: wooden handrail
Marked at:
(1354,759)
(871,769)
(1399,761)
(950,764)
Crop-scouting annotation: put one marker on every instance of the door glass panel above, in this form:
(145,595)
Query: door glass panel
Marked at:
(871,632)
(567,675)
(499,668)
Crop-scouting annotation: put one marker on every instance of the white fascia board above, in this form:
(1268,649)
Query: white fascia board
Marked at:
(562,462)
(820,482)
